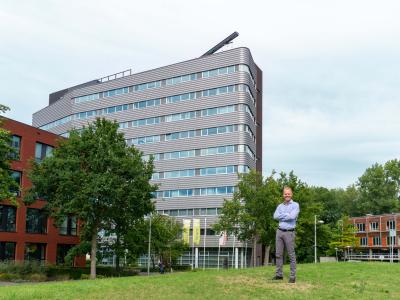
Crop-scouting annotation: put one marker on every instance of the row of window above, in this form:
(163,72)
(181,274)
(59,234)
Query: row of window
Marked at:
(201,152)
(152,102)
(168,81)
(118,108)
(157,102)
(41,150)
(201,172)
(33,251)
(376,241)
(213,211)
(208,191)
(374,226)
(191,133)
(36,221)
(187,115)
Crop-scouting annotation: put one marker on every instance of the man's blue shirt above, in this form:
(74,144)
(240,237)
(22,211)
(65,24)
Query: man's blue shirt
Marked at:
(287,214)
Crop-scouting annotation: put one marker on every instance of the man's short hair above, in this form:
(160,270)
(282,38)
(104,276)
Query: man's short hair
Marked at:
(287,188)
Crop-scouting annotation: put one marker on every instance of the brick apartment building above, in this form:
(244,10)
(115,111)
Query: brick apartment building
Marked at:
(26,233)
(377,234)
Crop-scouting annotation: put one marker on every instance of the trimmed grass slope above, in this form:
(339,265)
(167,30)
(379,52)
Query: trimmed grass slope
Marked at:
(321,281)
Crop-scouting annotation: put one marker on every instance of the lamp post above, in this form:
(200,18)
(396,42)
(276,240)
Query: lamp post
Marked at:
(336,249)
(315,237)
(148,251)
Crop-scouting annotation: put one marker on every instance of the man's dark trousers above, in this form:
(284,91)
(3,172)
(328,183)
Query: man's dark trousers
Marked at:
(285,239)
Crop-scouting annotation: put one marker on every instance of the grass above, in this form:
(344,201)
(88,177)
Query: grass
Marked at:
(321,281)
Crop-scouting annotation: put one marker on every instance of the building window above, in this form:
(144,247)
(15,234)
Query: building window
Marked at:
(35,251)
(391,224)
(363,241)
(360,227)
(373,226)
(7,217)
(17,176)
(376,241)
(192,212)
(68,227)
(36,221)
(390,240)
(7,251)
(42,151)
(16,144)
(62,251)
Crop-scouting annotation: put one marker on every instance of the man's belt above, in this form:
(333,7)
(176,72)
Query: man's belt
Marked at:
(281,229)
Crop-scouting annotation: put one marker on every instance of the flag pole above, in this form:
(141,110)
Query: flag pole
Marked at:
(204,243)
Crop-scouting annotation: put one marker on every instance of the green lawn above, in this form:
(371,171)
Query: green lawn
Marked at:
(321,281)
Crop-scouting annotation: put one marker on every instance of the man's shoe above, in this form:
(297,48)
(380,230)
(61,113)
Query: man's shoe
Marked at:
(292,280)
(277,278)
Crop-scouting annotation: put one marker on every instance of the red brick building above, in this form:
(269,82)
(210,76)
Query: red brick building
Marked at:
(378,235)
(26,233)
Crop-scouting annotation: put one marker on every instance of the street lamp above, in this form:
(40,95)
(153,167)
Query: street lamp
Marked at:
(148,252)
(336,249)
(315,236)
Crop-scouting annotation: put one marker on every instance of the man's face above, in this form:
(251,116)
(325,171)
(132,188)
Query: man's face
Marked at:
(287,195)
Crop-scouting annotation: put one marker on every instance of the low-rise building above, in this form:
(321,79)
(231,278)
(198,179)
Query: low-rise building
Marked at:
(26,232)
(378,237)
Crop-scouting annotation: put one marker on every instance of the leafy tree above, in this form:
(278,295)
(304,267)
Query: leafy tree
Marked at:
(7,183)
(95,176)
(348,200)
(166,242)
(379,188)
(343,236)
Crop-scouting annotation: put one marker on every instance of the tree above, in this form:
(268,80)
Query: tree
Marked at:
(8,186)
(343,236)
(166,242)
(379,188)
(97,177)
(249,215)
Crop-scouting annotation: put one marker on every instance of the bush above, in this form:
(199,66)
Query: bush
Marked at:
(55,272)
(181,268)
(22,268)
(167,269)
(33,271)
(77,272)
(36,277)
(9,277)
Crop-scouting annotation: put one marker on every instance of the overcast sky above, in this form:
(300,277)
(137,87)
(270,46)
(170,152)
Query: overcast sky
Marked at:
(331,68)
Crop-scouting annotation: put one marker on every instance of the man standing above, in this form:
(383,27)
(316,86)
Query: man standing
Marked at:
(286,213)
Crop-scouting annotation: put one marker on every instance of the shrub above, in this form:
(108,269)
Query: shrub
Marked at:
(181,268)
(22,268)
(76,272)
(9,277)
(36,277)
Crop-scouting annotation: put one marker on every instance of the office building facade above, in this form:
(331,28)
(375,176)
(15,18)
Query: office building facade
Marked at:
(26,232)
(201,119)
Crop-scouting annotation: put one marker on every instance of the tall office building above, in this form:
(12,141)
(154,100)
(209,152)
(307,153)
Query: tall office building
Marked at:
(201,119)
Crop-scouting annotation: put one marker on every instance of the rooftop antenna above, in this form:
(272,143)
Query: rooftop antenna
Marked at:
(224,42)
